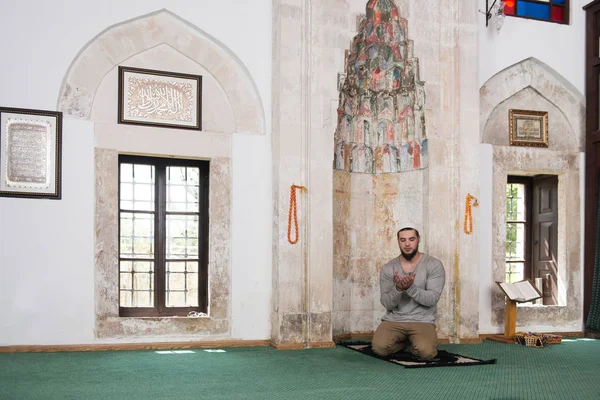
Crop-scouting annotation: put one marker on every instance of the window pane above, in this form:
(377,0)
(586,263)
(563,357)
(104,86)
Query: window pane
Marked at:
(182,236)
(515,202)
(182,284)
(533,10)
(137,187)
(515,244)
(136,284)
(126,172)
(514,272)
(125,281)
(143,247)
(143,266)
(515,241)
(143,299)
(137,235)
(558,14)
(509,8)
(126,266)
(183,188)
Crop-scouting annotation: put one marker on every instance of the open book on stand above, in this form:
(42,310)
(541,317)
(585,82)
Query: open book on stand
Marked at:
(522,291)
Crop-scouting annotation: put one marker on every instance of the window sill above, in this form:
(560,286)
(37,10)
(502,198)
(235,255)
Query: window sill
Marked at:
(179,317)
(160,326)
(530,305)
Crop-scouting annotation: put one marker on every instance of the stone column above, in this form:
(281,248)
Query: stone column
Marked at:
(453,161)
(305,66)
(467,56)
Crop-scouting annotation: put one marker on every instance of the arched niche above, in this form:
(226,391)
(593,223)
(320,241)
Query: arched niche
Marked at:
(122,41)
(534,74)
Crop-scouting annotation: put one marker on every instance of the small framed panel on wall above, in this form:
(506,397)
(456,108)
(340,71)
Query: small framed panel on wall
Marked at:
(160,98)
(30,153)
(528,128)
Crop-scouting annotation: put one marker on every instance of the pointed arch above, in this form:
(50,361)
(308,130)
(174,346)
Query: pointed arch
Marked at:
(126,39)
(537,75)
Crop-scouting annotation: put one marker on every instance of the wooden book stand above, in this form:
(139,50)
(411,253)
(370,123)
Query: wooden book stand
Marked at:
(510,323)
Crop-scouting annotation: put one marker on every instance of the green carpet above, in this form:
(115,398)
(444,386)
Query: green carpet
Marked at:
(570,370)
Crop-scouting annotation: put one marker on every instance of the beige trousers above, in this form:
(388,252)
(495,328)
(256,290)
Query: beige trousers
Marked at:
(392,337)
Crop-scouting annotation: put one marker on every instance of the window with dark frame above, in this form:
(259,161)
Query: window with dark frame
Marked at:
(541,10)
(163,236)
(532,233)
(518,232)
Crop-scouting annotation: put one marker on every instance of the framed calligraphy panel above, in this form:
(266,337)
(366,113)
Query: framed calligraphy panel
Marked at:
(528,128)
(159,98)
(30,153)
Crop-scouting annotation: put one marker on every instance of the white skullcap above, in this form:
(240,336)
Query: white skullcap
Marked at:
(408,225)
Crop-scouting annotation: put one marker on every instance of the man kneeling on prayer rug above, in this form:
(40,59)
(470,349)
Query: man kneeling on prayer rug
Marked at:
(411,285)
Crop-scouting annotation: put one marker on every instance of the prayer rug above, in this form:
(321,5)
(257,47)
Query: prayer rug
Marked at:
(406,359)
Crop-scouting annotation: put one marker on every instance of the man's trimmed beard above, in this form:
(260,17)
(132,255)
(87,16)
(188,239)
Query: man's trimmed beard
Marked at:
(409,256)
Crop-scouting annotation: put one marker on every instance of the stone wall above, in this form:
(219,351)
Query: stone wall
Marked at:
(367,210)
(311,39)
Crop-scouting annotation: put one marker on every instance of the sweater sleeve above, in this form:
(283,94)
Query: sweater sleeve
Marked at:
(390,297)
(436,278)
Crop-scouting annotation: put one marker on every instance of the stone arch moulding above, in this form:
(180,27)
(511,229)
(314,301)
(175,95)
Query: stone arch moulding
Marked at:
(123,40)
(533,73)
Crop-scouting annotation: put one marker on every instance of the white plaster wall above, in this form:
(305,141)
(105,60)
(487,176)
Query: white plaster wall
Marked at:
(42,236)
(559,46)
(47,254)
(55,32)
(252,237)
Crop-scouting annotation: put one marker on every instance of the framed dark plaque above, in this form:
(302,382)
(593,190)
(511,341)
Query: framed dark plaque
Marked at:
(30,153)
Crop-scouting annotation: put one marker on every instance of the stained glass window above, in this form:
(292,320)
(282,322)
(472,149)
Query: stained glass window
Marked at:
(543,10)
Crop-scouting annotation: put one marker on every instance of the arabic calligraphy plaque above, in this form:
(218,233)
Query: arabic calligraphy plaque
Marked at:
(528,128)
(159,98)
(30,153)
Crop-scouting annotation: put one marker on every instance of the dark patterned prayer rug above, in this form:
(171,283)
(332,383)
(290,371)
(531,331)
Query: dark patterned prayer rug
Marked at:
(406,359)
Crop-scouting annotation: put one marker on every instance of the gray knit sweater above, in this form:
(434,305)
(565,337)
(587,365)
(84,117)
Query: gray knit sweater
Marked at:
(418,303)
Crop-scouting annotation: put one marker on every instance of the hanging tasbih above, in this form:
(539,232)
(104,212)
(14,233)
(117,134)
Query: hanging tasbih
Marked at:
(293,213)
(469,214)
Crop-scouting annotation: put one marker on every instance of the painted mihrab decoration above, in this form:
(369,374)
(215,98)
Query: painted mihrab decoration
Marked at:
(381,120)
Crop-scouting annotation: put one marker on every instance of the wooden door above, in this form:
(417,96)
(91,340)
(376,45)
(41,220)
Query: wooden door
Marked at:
(545,235)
